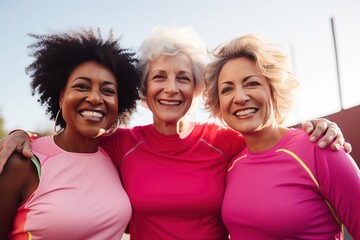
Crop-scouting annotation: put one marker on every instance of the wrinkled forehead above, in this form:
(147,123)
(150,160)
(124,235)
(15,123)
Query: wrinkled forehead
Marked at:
(173,62)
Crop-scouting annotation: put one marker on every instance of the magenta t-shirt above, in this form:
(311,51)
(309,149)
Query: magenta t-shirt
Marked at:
(270,195)
(175,185)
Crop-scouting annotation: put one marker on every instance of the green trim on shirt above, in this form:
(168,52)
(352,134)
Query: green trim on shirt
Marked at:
(36,161)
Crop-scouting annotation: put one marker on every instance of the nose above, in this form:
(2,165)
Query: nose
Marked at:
(241,97)
(94,97)
(171,86)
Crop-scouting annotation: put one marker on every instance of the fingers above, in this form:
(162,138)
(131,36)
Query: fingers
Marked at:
(17,141)
(334,135)
(6,151)
(330,131)
(320,128)
(347,147)
(339,141)
(308,126)
(26,150)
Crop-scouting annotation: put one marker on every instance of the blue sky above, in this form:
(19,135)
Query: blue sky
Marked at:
(302,25)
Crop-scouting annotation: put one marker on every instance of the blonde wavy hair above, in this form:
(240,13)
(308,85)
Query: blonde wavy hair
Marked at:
(272,62)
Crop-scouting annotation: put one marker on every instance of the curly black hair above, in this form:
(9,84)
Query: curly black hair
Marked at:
(57,55)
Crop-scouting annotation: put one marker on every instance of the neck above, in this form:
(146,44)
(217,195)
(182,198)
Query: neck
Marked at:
(76,142)
(265,138)
(183,127)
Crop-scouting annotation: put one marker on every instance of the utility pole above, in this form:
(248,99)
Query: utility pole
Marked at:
(337,62)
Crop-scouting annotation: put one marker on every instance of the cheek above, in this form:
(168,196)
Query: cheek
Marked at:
(68,106)
(223,110)
(188,92)
(223,103)
(150,92)
(112,104)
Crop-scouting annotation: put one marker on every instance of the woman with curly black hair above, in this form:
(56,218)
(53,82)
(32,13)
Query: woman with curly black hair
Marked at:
(173,169)
(72,189)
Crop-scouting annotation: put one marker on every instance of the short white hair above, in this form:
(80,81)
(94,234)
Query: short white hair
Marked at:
(171,40)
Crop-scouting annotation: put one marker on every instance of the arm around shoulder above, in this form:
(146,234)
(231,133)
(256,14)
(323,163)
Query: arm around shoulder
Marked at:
(18,141)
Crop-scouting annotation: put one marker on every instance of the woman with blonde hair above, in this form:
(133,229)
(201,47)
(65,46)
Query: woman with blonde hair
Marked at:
(174,169)
(281,185)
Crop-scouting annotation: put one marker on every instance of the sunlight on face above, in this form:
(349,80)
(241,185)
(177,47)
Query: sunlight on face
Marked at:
(170,87)
(245,96)
(89,101)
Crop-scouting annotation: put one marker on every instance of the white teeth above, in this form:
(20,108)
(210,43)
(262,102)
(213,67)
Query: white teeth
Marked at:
(245,112)
(91,114)
(170,102)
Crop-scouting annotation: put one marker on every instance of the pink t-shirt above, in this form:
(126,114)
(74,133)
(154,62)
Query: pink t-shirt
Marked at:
(79,196)
(175,185)
(270,195)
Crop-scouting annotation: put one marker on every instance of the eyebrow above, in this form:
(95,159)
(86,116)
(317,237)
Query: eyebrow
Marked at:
(227,83)
(89,80)
(164,71)
(187,72)
(250,76)
(243,79)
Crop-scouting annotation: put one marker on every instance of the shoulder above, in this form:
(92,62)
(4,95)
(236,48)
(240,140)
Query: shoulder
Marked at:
(297,133)
(45,145)
(217,130)
(17,164)
(123,138)
(125,133)
(20,175)
(297,137)
(224,138)
(297,141)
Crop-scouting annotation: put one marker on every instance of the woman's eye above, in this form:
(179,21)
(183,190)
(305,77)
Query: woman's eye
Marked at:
(252,84)
(81,86)
(184,78)
(108,91)
(159,76)
(225,90)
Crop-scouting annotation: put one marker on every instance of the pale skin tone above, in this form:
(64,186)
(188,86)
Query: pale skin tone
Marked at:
(247,106)
(171,83)
(247,101)
(170,88)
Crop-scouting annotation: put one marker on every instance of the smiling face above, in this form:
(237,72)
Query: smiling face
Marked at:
(170,88)
(89,101)
(245,96)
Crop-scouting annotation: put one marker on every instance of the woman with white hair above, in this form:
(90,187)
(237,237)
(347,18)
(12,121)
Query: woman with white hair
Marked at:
(174,169)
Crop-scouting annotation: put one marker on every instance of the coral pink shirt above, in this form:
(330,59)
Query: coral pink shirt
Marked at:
(269,195)
(175,185)
(79,196)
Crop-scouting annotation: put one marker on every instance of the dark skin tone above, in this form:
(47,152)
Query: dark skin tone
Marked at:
(24,180)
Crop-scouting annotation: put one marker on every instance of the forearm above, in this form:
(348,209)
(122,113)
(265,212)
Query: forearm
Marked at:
(31,135)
